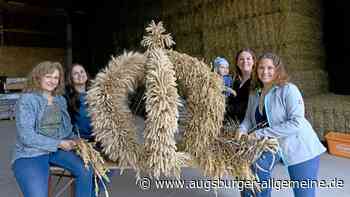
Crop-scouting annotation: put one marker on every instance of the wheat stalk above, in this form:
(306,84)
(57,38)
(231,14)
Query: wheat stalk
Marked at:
(93,159)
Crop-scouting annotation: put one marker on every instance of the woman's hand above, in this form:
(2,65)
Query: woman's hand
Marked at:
(67,145)
(238,134)
(250,136)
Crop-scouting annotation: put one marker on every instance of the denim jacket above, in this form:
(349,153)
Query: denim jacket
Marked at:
(29,110)
(286,116)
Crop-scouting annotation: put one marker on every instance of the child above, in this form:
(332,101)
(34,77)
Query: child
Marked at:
(221,66)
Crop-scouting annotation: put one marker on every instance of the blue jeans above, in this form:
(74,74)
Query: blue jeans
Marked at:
(262,168)
(32,174)
(305,171)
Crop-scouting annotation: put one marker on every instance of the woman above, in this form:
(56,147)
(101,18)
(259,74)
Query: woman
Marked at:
(75,94)
(78,80)
(279,105)
(44,135)
(237,105)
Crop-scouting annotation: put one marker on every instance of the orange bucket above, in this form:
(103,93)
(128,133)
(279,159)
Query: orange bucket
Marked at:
(338,144)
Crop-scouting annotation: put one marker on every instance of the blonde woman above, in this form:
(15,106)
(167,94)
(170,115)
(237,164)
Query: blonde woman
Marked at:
(44,135)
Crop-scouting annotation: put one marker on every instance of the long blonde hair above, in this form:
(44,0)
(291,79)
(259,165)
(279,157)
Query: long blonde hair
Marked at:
(39,71)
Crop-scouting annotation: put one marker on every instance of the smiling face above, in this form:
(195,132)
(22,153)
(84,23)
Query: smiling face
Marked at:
(266,71)
(79,76)
(50,81)
(245,62)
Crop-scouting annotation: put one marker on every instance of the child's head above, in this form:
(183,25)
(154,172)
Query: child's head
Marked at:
(221,66)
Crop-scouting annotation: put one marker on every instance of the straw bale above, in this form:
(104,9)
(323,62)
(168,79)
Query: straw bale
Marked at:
(330,112)
(318,122)
(302,28)
(274,29)
(228,10)
(191,43)
(311,8)
(184,22)
(347,121)
(219,42)
(13,66)
(280,33)
(340,119)
(310,82)
(174,7)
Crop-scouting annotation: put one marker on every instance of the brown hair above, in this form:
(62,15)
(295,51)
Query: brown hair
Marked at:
(39,71)
(71,94)
(281,75)
(251,52)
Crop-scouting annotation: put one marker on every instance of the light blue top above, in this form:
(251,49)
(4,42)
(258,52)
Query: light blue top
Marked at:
(30,109)
(286,116)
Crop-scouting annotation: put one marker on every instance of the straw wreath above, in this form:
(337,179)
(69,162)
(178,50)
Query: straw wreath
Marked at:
(112,119)
(212,147)
(161,122)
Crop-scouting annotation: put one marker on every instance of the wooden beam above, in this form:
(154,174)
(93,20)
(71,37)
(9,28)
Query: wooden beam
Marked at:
(26,31)
(31,10)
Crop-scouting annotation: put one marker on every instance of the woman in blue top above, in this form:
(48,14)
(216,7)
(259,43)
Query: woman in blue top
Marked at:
(77,83)
(280,105)
(44,135)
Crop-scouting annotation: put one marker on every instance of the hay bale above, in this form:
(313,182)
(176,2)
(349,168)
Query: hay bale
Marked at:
(228,10)
(329,112)
(299,43)
(190,43)
(310,82)
(13,66)
(219,42)
(309,8)
(278,28)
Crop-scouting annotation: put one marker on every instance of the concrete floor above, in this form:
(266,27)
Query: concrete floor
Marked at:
(125,185)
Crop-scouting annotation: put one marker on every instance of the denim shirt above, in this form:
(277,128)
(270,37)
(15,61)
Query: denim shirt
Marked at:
(29,111)
(286,116)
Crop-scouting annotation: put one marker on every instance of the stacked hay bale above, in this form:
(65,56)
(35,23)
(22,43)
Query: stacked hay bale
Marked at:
(208,28)
(290,28)
(329,112)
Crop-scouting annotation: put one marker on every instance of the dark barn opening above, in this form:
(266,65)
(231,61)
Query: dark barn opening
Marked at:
(337,44)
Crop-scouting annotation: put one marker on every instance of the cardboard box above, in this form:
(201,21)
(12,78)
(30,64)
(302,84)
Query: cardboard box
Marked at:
(338,144)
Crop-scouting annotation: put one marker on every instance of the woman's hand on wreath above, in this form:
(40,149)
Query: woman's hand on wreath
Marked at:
(67,145)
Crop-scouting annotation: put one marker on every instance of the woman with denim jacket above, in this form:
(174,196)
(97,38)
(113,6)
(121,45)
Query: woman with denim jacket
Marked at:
(279,105)
(44,135)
